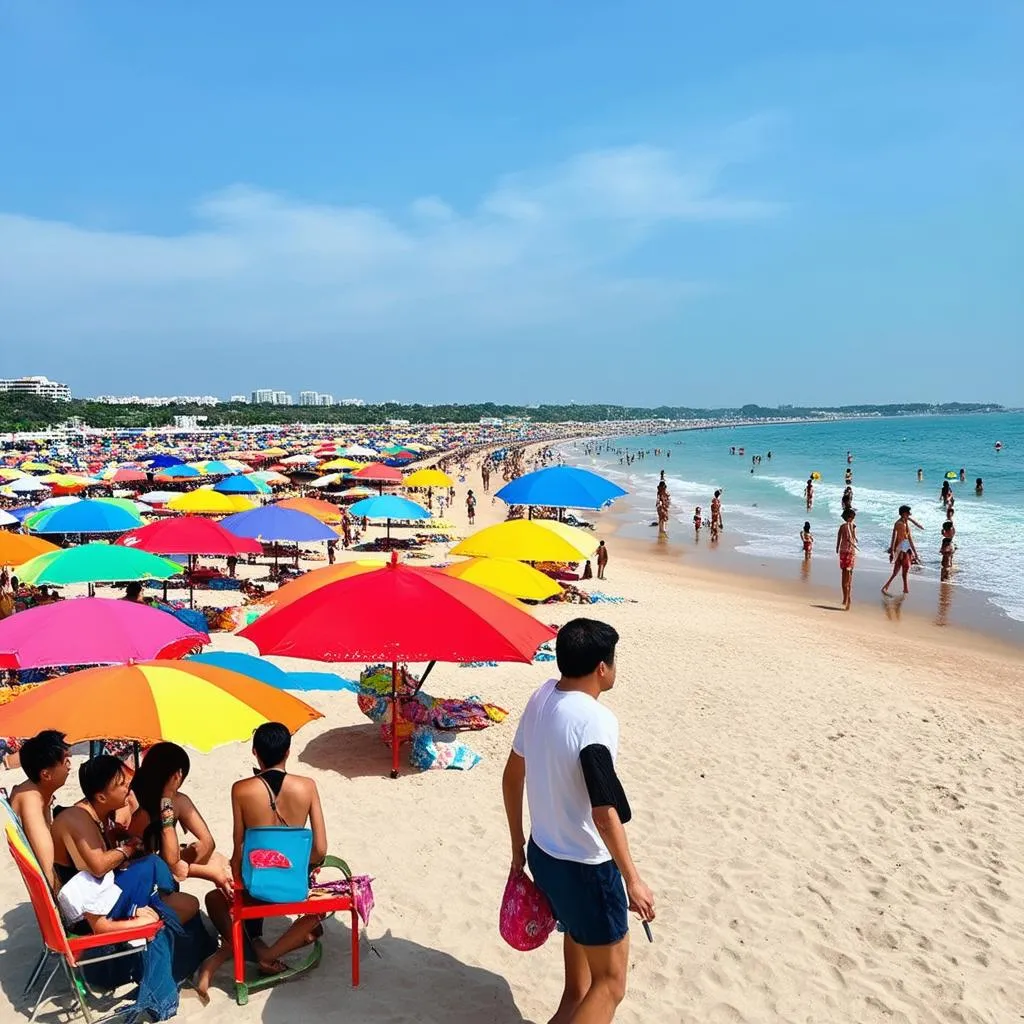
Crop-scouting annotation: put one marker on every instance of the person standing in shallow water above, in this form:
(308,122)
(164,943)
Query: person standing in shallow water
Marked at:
(846,549)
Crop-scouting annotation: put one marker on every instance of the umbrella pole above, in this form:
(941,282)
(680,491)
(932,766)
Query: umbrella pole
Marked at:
(394,719)
(191,581)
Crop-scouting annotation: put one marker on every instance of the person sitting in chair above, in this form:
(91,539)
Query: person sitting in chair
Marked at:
(271,797)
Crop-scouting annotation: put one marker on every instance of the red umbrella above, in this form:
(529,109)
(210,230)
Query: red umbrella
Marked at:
(189,535)
(400,613)
(380,474)
(127,476)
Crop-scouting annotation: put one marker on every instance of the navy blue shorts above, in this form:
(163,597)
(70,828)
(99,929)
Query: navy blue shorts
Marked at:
(588,900)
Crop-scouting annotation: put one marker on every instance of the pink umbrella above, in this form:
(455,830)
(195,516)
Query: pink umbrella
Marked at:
(93,631)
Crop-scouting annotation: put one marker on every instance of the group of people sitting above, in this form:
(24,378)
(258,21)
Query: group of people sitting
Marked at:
(115,858)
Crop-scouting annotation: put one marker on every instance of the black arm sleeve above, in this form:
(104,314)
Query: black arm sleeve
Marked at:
(603,784)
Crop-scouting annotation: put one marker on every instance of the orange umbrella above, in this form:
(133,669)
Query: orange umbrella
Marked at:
(18,548)
(322,510)
(197,705)
(318,578)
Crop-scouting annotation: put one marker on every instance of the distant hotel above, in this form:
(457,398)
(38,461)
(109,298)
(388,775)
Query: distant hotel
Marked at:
(268,396)
(315,398)
(157,399)
(41,387)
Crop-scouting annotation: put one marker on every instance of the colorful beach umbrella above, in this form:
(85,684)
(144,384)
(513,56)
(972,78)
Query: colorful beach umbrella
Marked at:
(428,478)
(377,472)
(209,502)
(93,631)
(317,578)
(400,613)
(86,515)
(340,464)
(6,519)
(26,485)
(196,705)
(18,549)
(267,672)
(241,484)
(389,507)
(178,472)
(273,523)
(514,578)
(561,487)
(322,510)
(529,540)
(189,535)
(95,563)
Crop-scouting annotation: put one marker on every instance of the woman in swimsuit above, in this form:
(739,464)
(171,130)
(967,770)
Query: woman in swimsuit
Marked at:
(902,552)
(846,549)
(807,539)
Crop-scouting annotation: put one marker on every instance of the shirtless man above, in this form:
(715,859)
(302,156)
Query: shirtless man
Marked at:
(47,763)
(809,492)
(846,549)
(83,838)
(272,797)
(902,552)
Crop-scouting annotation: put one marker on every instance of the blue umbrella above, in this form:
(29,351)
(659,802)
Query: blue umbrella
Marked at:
(267,672)
(241,485)
(87,516)
(274,523)
(178,472)
(21,514)
(388,506)
(561,487)
(162,461)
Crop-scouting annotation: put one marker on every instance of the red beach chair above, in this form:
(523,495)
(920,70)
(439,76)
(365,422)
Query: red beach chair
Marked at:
(245,908)
(56,941)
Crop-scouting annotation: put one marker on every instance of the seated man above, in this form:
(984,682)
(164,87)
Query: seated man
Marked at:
(272,797)
(46,762)
(84,837)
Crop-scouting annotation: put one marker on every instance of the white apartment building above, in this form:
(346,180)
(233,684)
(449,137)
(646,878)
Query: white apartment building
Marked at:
(158,399)
(239,399)
(264,396)
(315,398)
(43,387)
(351,401)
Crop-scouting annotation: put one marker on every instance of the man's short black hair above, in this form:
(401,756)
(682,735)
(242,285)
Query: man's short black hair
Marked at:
(271,742)
(904,510)
(99,772)
(46,750)
(582,644)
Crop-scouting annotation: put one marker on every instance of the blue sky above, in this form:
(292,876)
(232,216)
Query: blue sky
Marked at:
(651,202)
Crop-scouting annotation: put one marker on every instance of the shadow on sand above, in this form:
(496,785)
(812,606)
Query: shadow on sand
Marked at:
(355,751)
(406,982)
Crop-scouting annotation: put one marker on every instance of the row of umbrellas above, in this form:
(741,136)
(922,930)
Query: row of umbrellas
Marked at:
(354,612)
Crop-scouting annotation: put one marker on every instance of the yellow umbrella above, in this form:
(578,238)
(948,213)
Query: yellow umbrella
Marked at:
(513,578)
(210,503)
(274,452)
(428,478)
(341,464)
(37,467)
(529,540)
(19,548)
(11,474)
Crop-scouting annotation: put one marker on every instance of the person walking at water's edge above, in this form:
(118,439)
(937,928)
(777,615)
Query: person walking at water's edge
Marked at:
(564,754)
(846,549)
(902,552)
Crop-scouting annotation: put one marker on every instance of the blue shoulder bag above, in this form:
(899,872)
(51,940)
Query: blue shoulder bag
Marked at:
(275,859)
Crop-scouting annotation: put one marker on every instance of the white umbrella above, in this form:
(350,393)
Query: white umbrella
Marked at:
(359,451)
(27,485)
(160,497)
(6,519)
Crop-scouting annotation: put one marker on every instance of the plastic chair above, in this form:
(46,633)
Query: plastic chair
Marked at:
(245,908)
(56,942)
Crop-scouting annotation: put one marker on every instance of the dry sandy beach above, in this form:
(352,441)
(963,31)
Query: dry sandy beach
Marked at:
(830,814)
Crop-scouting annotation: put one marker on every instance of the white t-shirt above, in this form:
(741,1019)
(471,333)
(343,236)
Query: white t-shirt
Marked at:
(555,727)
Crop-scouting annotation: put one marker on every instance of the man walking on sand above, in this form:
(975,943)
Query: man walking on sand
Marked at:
(564,753)
(602,559)
(902,552)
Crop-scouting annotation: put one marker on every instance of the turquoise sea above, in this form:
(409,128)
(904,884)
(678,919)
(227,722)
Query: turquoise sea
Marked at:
(765,510)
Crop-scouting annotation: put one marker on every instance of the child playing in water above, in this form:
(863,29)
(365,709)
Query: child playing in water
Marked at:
(807,539)
(698,521)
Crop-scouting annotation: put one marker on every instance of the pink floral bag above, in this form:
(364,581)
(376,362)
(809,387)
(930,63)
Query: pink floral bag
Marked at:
(526,920)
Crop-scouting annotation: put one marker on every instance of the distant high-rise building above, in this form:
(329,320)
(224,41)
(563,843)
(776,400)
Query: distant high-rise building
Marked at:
(264,396)
(239,399)
(42,387)
(323,399)
(309,398)
(351,401)
(282,398)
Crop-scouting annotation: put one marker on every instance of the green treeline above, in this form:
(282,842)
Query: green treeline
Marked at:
(27,412)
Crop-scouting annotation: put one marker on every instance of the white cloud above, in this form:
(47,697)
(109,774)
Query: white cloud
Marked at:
(260,273)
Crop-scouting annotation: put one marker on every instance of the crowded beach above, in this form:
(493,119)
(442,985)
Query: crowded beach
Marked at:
(262,691)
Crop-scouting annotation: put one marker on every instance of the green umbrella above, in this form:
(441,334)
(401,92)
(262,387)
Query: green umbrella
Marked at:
(96,563)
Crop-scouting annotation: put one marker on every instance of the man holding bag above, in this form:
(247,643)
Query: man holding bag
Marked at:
(564,754)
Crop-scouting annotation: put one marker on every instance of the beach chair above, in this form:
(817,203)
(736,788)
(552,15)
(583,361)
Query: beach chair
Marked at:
(245,908)
(68,949)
